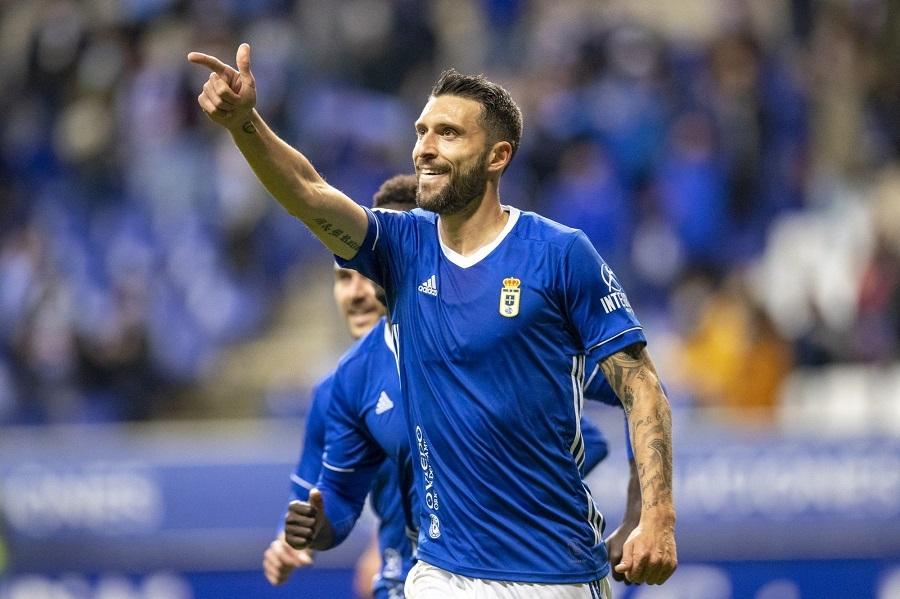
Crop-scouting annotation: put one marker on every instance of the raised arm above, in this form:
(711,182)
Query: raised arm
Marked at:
(649,554)
(229,99)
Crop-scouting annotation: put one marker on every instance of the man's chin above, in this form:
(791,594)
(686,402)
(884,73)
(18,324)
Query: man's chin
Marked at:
(428,205)
(360,325)
(430,201)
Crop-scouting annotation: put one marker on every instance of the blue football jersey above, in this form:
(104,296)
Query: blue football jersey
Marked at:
(492,350)
(596,447)
(306,472)
(395,539)
(597,388)
(367,448)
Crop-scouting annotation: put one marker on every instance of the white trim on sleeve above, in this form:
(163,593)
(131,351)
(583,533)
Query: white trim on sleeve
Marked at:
(303,483)
(338,468)
(617,335)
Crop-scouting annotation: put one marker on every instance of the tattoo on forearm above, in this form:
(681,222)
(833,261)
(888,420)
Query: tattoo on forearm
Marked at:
(248,127)
(631,375)
(339,234)
(655,470)
(627,399)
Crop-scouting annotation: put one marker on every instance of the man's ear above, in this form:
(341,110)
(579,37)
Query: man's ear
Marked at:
(499,156)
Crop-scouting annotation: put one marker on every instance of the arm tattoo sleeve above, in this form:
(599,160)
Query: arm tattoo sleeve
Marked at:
(634,379)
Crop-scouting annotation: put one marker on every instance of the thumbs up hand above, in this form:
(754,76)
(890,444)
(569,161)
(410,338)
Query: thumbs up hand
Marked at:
(229,95)
(304,520)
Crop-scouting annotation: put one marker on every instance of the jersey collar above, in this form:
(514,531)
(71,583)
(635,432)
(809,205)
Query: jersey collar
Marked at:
(388,336)
(482,253)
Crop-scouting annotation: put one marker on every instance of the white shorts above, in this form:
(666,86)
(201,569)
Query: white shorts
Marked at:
(429,582)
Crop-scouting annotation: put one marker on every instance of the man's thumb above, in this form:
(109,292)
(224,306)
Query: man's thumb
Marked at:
(625,563)
(243,59)
(315,500)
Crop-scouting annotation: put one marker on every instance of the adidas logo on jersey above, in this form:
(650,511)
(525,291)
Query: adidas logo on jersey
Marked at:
(429,286)
(384,403)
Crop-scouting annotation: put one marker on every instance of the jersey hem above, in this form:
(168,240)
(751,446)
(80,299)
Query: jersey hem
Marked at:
(508,576)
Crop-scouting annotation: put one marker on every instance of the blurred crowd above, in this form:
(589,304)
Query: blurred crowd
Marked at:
(735,161)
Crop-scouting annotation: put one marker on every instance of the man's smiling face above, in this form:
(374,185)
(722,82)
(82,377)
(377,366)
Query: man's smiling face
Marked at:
(450,154)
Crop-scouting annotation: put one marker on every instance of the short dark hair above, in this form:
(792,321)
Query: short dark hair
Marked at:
(500,115)
(398,193)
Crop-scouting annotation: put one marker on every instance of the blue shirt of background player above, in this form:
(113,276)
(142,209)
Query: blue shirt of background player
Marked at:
(393,539)
(306,472)
(366,447)
(597,388)
(494,408)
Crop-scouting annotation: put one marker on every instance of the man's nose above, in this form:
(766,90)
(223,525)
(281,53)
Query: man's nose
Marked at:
(425,147)
(358,286)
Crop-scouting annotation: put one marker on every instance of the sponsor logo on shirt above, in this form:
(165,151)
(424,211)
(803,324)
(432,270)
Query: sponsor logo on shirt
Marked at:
(575,551)
(616,299)
(429,285)
(610,279)
(384,403)
(509,297)
(434,531)
(431,496)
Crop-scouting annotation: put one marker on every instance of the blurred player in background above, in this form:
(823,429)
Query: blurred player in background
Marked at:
(357,299)
(494,394)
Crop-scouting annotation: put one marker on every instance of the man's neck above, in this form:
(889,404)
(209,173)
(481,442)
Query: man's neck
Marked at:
(470,230)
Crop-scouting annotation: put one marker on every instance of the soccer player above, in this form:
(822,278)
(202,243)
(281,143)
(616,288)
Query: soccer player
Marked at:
(354,413)
(494,314)
(358,301)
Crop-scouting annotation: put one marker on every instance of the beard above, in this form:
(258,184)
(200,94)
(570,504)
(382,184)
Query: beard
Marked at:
(460,191)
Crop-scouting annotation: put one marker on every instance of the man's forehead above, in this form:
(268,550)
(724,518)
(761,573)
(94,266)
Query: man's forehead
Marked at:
(451,108)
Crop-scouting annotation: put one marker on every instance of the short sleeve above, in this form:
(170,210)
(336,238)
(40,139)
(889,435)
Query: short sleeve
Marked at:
(380,257)
(597,306)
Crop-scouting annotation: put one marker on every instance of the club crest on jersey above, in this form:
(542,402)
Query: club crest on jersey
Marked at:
(434,531)
(509,297)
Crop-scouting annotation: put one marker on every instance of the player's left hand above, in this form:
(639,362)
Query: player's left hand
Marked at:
(649,554)
(280,560)
(615,545)
(304,520)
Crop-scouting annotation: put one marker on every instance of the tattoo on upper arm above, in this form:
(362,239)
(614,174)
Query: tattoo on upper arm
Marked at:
(619,370)
(339,234)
